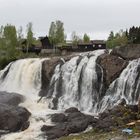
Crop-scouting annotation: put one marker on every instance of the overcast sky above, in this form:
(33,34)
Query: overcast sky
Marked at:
(95,17)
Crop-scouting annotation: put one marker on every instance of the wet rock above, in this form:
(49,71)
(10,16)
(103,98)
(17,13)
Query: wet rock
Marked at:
(13,118)
(48,67)
(116,117)
(73,121)
(71,110)
(112,67)
(58,118)
(10,98)
(128,52)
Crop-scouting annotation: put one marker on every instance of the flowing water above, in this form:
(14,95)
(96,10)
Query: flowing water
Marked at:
(75,83)
(127,87)
(24,77)
(78,84)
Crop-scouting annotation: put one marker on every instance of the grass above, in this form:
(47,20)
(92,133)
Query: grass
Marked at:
(93,135)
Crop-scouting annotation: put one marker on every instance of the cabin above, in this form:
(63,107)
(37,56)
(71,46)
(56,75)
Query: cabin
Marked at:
(45,43)
(83,47)
(46,47)
(92,45)
(30,49)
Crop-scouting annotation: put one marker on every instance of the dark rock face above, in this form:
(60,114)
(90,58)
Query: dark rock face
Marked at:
(58,118)
(13,118)
(48,68)
(11,98)
(72,122)
(71,110)
(112,66)
(128,52)
(116,118)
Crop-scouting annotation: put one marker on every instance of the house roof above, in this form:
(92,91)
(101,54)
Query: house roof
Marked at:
(98,41)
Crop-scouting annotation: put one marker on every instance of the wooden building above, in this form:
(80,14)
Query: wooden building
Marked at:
(83,47)
(45,43)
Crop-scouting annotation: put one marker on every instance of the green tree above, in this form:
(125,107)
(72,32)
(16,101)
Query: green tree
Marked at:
(75,38)
(10,40)
(30,37)
(86,38)
(119,39)
(56,33)
(52,33)
(20,36)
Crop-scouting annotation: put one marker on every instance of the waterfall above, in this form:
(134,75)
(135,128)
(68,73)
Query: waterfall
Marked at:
(127,87)
(24,77)
(77,83)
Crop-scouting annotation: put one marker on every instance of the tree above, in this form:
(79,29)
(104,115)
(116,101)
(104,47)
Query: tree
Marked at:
(20,36)
(75,38)
(52,33)
(86,38)
(111,36)
(119,39)
(30,37)
(10,40)
(56,33)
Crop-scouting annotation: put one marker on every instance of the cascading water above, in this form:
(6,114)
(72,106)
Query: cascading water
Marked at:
(127,87)
(77,83)
(24,77)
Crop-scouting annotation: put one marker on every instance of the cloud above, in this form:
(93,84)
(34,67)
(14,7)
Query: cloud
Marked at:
(96,17)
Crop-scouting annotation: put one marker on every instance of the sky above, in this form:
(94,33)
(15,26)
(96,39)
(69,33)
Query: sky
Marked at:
(94,17)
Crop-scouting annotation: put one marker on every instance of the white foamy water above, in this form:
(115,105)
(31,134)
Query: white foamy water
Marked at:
(77,78)
(75,83)
(127,87)
(24,77)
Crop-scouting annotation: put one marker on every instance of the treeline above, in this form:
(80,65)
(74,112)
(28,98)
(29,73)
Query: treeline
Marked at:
(122,38)
(10,42)
(57,35)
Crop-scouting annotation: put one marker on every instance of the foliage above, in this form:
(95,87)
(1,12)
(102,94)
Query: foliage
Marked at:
(8,40)
(86,38)
(20,36)
(30,37)
(119,39)
(134,35)
(56,33)
(75,38)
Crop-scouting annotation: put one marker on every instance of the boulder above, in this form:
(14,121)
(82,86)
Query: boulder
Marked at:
(48,67)
(13,118)
(116,117)
(73,121)
(112,67)
(58,118)
(10,98)
(71,110)
(128,52)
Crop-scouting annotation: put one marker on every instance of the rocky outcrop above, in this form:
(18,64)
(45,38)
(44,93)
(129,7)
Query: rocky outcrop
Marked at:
(10,98)
(112,67)
(129,52)
(116,117)
(13,118)
(73,121)
(48,67)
